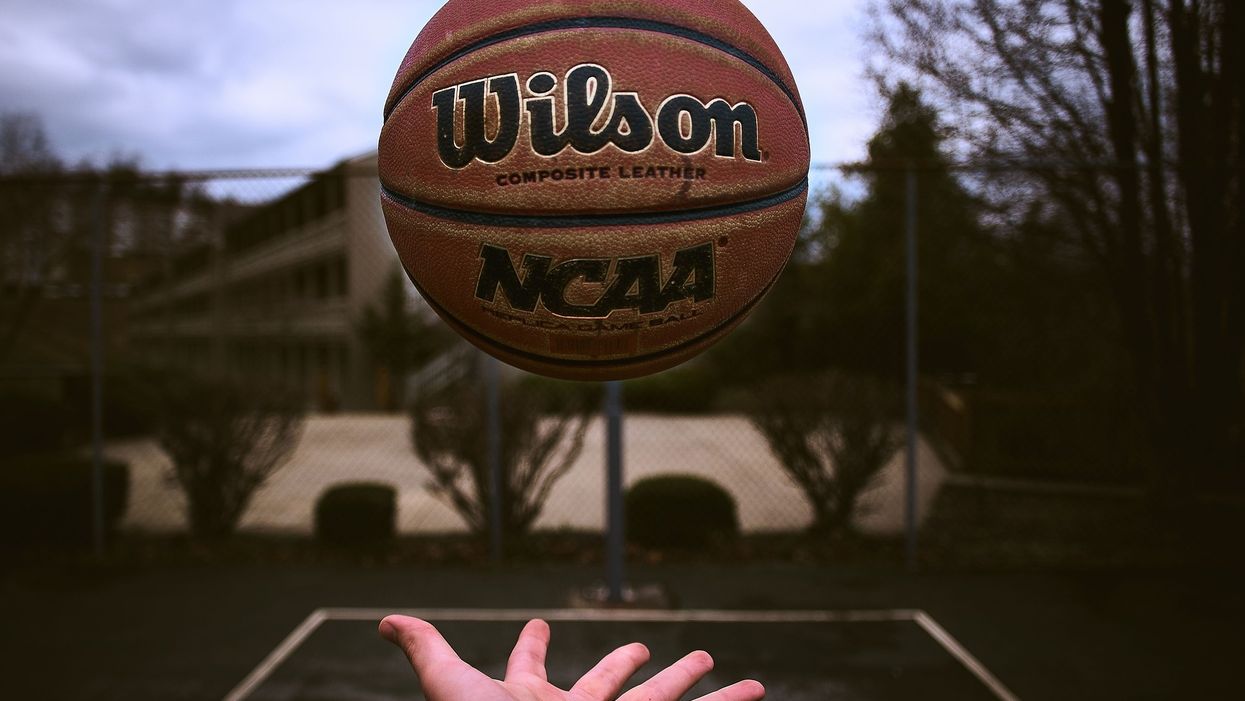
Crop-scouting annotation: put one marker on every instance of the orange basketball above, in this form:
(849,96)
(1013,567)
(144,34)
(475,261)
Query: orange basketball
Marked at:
(593,190)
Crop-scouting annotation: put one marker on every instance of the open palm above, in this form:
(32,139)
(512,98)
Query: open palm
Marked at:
(445,677)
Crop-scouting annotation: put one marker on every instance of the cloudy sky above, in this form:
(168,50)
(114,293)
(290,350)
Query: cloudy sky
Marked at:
(292,83)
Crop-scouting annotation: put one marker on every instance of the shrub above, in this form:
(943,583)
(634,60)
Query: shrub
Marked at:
(542,433)
(47,500)
(31,423)
(833,434)
(224,438)
(1082,436)
(679,511)
(356,514)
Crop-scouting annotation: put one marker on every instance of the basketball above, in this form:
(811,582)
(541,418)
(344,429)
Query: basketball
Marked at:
(593,190)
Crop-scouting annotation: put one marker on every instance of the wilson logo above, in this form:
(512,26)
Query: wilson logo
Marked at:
(625,283)
(592,116)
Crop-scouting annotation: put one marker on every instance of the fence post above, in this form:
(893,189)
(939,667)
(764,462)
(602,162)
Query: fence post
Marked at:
(910,459)
(616,524)
(97,367)
(492,393)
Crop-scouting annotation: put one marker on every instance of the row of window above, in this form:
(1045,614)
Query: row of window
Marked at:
(323,195)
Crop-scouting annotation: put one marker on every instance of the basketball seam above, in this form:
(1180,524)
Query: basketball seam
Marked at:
(624,361)
(567,221)
(604,23)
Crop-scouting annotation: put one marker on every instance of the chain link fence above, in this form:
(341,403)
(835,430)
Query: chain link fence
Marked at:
(288,279)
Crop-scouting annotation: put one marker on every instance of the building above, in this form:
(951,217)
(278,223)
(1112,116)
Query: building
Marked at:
(278,294)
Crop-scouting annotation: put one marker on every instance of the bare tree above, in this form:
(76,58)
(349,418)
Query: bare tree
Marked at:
(24,146)
(1154,89)
(542,432)
(38,225)
(833,434)
(225,439)
(48,214)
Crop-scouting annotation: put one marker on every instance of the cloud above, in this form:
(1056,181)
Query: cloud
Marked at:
(821,41)
(301,82)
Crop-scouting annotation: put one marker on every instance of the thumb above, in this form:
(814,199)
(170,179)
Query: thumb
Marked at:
(419,641)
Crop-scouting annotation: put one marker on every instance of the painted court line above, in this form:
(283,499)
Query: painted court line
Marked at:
(277,656)
(922,619)
(626,615)
(956,650)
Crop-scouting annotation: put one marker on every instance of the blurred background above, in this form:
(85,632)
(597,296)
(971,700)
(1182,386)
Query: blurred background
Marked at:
(213,370)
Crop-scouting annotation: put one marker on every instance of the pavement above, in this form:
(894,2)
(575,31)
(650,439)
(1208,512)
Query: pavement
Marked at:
(194,633)
(377,447)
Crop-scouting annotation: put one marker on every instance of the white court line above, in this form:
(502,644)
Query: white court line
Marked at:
(953,646)
(627,615)
(277,656)
(922,619)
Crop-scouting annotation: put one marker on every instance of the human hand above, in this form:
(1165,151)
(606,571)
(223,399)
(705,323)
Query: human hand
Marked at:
(445,677)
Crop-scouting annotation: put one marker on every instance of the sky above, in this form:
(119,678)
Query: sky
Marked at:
(207,84)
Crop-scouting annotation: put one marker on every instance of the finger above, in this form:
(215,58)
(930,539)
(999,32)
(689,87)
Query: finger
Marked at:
(419,640)
(746,690)
(672,682)
(606,679)
(442,674)
(528,656)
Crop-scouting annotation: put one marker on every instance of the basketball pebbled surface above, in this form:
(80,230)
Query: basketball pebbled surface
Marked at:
(593,190)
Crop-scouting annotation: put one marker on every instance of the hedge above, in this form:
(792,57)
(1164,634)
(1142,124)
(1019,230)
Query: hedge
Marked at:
(47,499)
(679,511)
(356,514)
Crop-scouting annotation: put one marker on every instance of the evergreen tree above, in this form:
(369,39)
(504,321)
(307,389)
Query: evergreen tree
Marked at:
(865,269)
(1133,112)
(397,340)
(840,303)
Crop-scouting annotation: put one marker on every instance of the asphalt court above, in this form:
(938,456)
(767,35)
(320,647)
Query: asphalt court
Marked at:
(336,655)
